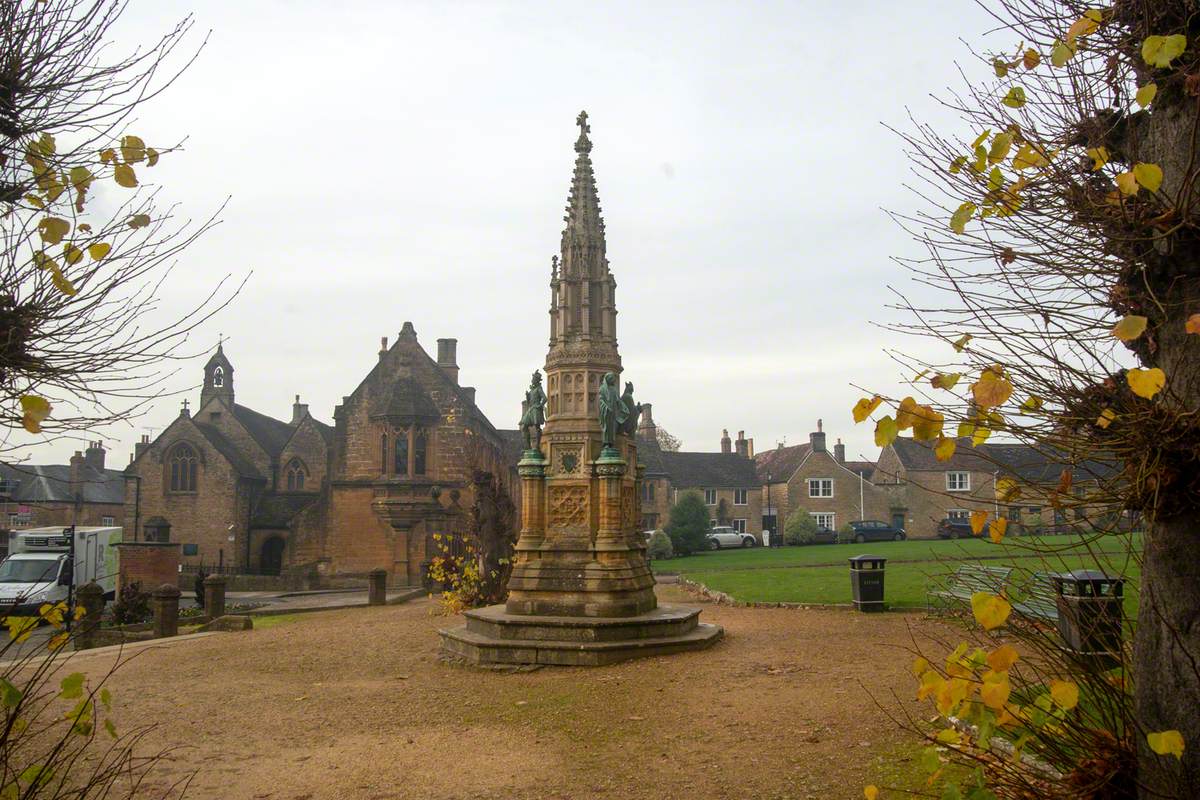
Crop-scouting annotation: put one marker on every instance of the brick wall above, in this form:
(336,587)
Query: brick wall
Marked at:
(148,563)
(44,515)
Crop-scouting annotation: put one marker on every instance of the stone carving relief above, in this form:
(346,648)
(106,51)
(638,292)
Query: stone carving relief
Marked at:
(568,506)
(627,508)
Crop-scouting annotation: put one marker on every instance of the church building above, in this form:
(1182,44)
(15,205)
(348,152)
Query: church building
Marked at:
(245,492)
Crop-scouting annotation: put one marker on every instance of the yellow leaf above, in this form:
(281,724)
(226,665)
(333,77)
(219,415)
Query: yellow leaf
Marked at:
(99,250)
(931,683)
(61,282)
(72,254)
(1146,382)
(1031,404)
(53,229)
(863,408)
(1061,53)
(992,389)
(957,164)
(139,220)
(1166,743)
(1000,67)
(980,139)
(151,156)
(978,520)
(1028,156)
(990,610)
(58,640)
(1015,98)
(124,175)
(1007,490)
(133,149)
(34,410)
(1082,27)
(1127,183)
(1099,156)
(948,736)
(927,424)
(951,694)
(984,426)
(960,218)
(995,690)
(19,628)
(944,449)
(1160,51)
(1193,324)
(1000,147)
(1065,694)
(871,792)
(1129,328)
(961,342)
(945,380)
(1145,95)
(920,666)
(1106,417)
(997,529)
(995,179)
(107,155)
(905,414)
(1149,176)
(885,432)
(1002,658)
(1031,58)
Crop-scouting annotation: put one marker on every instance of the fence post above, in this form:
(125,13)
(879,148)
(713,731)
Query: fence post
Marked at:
(214,596)
(91,597)
(377,588)
(166,611)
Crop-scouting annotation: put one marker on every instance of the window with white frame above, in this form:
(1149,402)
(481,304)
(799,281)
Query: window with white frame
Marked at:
(820,487)
(739,525)
(710,497)
(106,521)
(958,481)
(739,497)
(825,521)
(958,513)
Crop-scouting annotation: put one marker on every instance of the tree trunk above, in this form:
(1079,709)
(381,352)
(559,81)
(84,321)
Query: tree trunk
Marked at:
(1167,655)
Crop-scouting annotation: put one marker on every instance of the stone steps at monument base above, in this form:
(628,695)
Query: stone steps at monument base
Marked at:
(495,622)
(463,645)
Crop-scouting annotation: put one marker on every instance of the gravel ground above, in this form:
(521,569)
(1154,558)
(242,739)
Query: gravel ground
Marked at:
(356,704)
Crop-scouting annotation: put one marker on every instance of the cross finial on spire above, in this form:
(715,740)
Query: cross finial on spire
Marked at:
(581,121)
(583,144)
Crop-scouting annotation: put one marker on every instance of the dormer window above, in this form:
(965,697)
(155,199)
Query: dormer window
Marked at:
(218,378)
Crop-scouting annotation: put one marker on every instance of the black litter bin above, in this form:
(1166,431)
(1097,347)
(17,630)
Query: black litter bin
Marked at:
(866,582)
(1090,610)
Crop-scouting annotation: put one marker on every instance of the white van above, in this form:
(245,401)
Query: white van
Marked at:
(39,568)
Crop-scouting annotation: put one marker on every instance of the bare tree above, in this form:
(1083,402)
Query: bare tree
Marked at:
(666,442)
(1061,232)
(82,339)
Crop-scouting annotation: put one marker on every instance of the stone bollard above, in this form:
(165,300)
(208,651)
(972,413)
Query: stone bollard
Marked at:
(377,591)
(214,596)
(166,611)
(91,597)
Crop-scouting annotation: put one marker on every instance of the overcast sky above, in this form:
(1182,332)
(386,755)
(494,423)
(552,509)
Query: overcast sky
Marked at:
(399,161)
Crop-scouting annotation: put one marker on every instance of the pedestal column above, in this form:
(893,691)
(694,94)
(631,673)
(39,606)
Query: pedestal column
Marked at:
(610,536)
(532,469)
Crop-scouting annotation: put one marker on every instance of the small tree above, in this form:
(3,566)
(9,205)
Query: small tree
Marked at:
(666,441)
(688,524)
(660,546)
(723,515)
(800,528)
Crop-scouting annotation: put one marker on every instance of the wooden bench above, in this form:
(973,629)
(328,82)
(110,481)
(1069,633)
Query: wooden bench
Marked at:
(1037,598)
(969,579)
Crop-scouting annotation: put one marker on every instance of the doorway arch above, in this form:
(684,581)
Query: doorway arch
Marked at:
(271,557)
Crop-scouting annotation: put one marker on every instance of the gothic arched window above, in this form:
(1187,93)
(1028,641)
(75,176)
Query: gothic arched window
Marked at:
(218,377)
(419,451)
(296,473)
(384,450)
(400,463)
(182,464)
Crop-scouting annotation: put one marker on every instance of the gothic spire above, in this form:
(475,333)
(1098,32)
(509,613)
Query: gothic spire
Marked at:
(583,237)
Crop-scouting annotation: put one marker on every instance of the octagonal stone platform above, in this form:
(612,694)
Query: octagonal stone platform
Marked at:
(493,636)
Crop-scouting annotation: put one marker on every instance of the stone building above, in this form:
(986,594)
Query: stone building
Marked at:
(246,492)
(84,492)
(821,481)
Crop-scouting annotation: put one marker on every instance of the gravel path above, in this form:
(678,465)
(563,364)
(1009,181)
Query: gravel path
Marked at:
(356,704)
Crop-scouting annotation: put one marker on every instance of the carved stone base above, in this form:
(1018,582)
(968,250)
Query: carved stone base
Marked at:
(494,636)
(616,584)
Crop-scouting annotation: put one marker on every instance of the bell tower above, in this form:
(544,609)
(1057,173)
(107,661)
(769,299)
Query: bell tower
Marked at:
(218,379)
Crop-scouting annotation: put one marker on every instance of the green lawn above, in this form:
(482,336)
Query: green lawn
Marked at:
(819,574)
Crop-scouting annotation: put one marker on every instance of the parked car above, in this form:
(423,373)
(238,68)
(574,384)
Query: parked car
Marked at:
(872,530)
(725,536)
(959,528)
(825,536)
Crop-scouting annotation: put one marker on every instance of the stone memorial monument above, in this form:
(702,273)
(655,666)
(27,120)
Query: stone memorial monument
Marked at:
(581,591)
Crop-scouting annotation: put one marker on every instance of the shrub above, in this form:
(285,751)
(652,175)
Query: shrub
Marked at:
(845,534)
(660,546)
(800,528)
(133,607)
(688,524)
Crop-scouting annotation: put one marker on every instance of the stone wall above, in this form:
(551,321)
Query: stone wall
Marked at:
(853,499)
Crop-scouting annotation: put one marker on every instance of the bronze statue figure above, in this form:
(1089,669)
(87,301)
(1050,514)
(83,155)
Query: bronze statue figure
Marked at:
(533,415)
(635,411)
(613,411)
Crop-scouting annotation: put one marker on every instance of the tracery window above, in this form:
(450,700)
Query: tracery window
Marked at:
(182,464)
(296,474)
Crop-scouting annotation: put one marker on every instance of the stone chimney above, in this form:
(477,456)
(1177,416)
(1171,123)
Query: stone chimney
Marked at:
(751,447)
(382,347)
(726,444)
(141,446)
(646,427)
(94,457)
(817,438)
(839,452)
(743,447)
(299,410)
(448,357)
(78,462)
(469,392)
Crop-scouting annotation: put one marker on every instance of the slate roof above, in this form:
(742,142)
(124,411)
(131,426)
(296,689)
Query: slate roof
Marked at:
(272,434)
(51,483)
(864,468)
(651,454)
(244,466)
(406,400)
(276,510)
(695,470)
(780,463)
(1030,464)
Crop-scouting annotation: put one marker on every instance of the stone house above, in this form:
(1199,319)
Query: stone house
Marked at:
(821,481)
(246,492)
(84,492)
